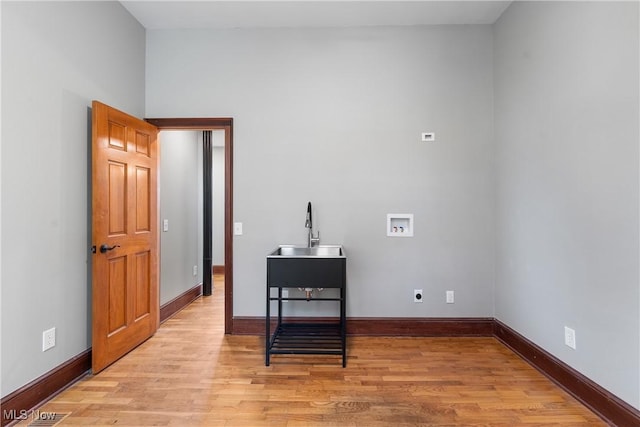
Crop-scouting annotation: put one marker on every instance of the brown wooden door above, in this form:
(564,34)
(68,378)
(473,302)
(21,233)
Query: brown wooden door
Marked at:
(125,234)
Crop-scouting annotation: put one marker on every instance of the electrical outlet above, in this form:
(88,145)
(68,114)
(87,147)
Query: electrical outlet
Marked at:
(450,297)
(48,339)
(417,295)
(195,270)
(570,337)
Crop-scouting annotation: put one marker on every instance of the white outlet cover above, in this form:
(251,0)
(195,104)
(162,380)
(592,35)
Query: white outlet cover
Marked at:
(165,225)
(48,339)
(450,297)
(418,295)
(570,337)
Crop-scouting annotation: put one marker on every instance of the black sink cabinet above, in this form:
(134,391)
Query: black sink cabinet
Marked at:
(308,337)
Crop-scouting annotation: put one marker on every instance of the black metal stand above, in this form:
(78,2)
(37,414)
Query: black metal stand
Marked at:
(308,337)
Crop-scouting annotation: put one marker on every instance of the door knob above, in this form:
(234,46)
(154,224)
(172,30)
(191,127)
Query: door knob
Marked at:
(104,248)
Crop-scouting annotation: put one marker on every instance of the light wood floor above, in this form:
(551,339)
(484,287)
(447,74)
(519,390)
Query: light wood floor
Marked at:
(191,374)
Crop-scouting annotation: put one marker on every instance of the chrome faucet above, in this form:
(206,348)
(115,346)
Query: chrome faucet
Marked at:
(311,240)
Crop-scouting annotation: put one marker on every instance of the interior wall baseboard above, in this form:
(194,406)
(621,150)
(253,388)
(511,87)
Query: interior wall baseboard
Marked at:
(22,401)
(178,303)
(421,327)
(384,326)
(608,406)
(217,269)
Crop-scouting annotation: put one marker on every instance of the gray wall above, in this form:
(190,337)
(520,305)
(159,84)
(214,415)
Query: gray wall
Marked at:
(334,116)
(180,204)
(566,126)
(56,58)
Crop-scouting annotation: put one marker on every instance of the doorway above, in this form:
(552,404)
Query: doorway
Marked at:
(216,125)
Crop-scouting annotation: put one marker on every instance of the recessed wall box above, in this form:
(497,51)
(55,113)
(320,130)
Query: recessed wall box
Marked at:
(400,225)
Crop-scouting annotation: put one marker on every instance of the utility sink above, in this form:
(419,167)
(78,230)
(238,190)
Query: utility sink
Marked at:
(321,266)
(325,251)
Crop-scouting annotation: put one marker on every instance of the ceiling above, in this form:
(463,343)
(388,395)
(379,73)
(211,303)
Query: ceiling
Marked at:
(215,14)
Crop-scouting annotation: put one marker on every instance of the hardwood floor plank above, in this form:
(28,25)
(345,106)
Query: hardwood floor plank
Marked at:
(191,374)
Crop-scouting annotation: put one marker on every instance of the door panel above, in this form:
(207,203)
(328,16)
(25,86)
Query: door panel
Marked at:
(142,304)
(117,294)
(117,199)
(125,221)
(142,144)
(142,208)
